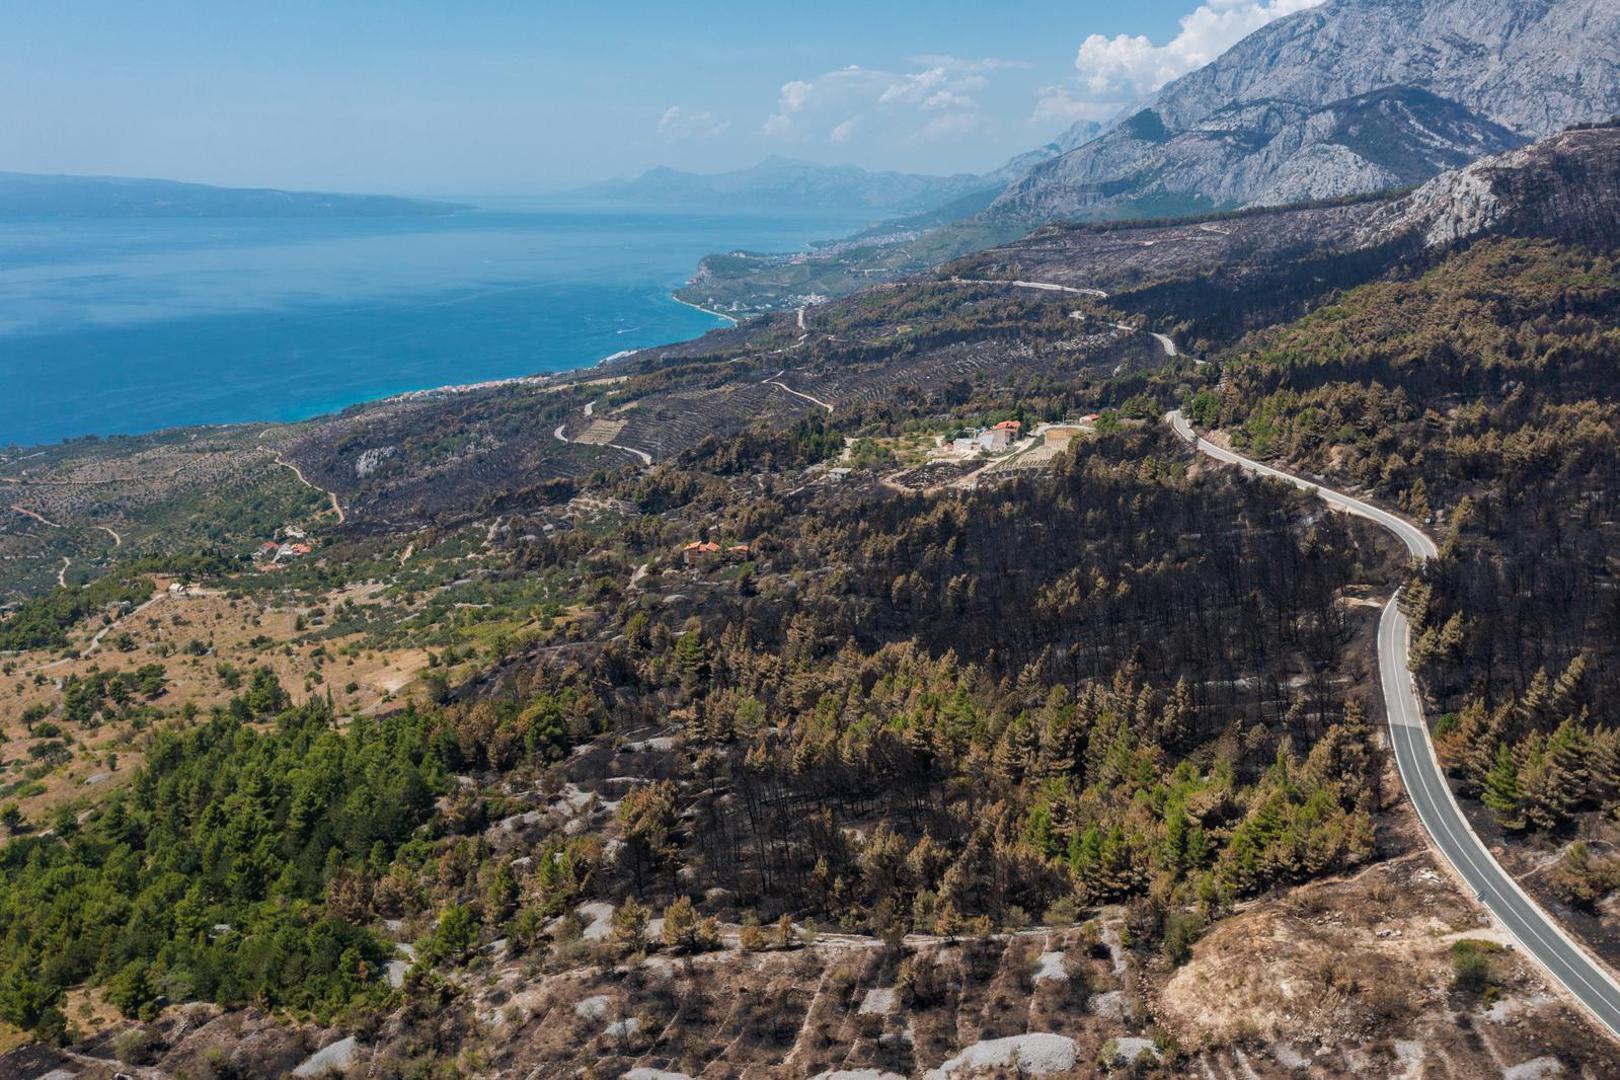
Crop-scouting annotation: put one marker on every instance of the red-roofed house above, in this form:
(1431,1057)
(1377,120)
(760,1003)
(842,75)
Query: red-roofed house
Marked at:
(1002,435)
(697,549)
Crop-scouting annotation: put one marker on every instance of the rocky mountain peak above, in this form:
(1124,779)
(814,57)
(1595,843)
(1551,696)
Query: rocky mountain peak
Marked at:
(1345,98)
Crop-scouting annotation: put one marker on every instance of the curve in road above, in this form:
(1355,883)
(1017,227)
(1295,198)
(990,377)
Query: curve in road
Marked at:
(561,435)
(1449,831)
(337,507)
(800,394)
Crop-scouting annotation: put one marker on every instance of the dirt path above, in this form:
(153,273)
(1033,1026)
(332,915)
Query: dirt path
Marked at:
(337,507)
(95,642)
(646,458)
(118,541)
(1168,345)
(1164,340)
(804,336)
(61,575)
(41,518)
(798,393)
(1043,286)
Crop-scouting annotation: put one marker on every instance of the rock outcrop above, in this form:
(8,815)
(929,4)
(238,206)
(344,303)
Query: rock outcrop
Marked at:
(1349,97)
(1566,187)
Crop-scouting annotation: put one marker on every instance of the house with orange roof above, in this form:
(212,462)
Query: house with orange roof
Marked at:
(1002,435)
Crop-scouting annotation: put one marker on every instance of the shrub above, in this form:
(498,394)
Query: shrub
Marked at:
(1471,969)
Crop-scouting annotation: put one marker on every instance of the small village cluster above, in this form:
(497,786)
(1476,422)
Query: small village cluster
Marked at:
(274,554)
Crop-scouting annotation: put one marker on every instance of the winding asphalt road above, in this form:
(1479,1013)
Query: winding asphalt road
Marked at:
(1437,808)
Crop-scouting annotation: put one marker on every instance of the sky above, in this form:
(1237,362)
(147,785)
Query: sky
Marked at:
(480,97)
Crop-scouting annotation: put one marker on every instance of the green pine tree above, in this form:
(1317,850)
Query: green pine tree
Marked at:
(1501,789)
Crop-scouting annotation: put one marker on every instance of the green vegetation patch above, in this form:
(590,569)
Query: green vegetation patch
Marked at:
(206,878)
(43,622)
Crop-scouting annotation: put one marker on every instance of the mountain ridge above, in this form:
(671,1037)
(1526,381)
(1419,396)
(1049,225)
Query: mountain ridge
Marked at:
(1563,187)
(67,195)
(1267,121)
(808,184)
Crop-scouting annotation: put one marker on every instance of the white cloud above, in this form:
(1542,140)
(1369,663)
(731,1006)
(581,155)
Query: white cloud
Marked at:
(794,95)
(682,125)
(851,101)
(951,123)
(957,63)
(1129,65)
(934,88)
(1063,106)
(944,99)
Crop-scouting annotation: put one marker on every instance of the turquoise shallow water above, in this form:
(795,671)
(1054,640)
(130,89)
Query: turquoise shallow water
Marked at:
(129,326)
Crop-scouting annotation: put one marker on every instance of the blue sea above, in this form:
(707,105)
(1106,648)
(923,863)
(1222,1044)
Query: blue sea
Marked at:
(127,326)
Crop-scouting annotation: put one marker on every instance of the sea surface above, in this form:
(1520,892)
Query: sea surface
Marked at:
(128,326)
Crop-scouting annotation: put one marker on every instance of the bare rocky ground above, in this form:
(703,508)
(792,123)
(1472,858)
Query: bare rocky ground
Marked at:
(1533,859)
(1344,978)
(1354,978)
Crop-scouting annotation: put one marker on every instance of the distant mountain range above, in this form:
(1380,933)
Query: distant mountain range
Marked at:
(779,183)
(1349,97)
(43,195)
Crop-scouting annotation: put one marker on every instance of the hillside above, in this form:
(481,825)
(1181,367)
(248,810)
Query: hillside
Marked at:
(745,706)
(1561,188)
(899,243)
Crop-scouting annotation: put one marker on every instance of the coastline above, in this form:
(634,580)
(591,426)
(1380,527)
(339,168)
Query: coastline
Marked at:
(531,325)
(400,397)
(425,392)
(491,384)
(457,388)
(732,319)
(313,397)
(535,379)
